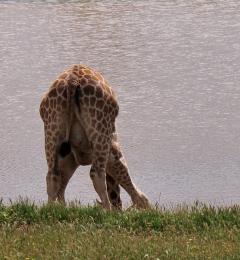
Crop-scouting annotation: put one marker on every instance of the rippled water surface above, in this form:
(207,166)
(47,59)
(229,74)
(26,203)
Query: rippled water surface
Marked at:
(175,68)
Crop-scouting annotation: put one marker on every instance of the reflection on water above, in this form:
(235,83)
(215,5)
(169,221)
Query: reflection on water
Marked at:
(175,68)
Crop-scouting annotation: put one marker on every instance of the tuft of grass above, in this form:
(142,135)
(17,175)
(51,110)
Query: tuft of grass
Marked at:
(54,231)
(187,219)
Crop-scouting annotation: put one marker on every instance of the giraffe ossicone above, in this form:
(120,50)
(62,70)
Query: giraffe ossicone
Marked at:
(79,112)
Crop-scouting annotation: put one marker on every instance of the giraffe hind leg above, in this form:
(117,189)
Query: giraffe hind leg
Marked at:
(67,166)
(98,169)
(57,180)
(53,186)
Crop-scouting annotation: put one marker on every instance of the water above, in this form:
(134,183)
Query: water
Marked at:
(175,68)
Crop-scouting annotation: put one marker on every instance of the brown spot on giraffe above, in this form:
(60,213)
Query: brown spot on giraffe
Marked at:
(92,101)
(89,90)
(100,104)
(83,82)
(79,113)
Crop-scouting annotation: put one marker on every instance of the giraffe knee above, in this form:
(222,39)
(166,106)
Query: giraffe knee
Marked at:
(113,190)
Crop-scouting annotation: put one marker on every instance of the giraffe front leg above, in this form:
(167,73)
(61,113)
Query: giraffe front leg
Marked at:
(113,190)
(119,171)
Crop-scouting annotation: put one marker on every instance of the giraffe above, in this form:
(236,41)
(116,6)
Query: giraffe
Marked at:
(79,112)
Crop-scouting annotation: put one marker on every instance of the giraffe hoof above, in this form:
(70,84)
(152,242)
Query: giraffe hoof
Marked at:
(107,206)
(142,202)
(99,203)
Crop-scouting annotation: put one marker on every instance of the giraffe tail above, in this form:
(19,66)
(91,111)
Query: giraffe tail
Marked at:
(73,109)
(65,147)
(76,103)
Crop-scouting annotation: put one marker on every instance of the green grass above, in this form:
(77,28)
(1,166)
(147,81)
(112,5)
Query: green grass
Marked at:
(28,231)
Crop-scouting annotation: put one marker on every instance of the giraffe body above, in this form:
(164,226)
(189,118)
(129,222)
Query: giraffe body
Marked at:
(79,112)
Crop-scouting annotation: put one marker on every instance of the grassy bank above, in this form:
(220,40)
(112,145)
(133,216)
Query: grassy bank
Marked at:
(28,231)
